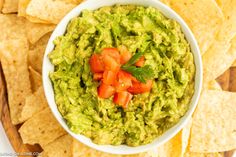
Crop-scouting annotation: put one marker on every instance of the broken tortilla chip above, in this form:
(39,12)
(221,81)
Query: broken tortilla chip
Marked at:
(42,128)
(36,31)
(61,147)
(214,122)
(218,59)
(35,79)
(36,53)
(34,103)
(13,54)
(49,10)
(10,6)
(193,12)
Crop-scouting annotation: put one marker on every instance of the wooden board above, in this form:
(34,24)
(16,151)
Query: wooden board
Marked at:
(227,82)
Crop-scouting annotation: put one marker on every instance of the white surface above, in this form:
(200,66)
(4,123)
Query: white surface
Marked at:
(123,149)
(5,146)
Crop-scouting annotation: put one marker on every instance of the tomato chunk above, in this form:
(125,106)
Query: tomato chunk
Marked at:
(122,98)
(97,76)
(105,91)
(109,77)
(140,62)
(110,63)
(112,52)
(96,64)
(125,56)
(124,81)
(138,87)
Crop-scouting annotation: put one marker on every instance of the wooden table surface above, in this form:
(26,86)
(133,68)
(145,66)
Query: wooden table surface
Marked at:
(226,80)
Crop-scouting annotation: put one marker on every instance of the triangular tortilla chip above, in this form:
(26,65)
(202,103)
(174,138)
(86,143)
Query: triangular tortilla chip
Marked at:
(36,53)
(49,10)
(35,79)
(218,58)
(177,145)
(193,12)
(34,103)
(42,128)
(61,147)
(214,122)
(10,6)
(13,54)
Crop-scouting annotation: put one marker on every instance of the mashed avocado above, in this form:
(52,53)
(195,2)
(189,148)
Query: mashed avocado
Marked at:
(148,115)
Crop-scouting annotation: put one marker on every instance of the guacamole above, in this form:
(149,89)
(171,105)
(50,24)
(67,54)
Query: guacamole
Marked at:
(148,115)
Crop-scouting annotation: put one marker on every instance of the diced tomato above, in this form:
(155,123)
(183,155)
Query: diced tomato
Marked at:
(125,57)
(97,76)
(110,63)
(122,98)
(105,91)
(96,64)
(123,81)
(138,87)
(109,77)
(140,62)
(112,52)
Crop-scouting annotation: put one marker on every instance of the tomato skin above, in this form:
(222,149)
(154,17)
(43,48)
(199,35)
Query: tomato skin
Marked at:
(138,87)
(112,52)
(123,81)
(97,76)
(122,98)
(140,62)
(110,63)
(105,91)
(96,64)
(109,77)
(125,57)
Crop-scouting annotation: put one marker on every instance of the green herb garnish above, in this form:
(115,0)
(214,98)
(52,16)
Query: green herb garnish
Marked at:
(140,73)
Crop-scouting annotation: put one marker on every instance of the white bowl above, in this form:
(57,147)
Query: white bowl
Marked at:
(48,67)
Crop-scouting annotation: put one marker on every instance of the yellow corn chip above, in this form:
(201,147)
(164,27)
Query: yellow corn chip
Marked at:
(191,154)
(35,79)
(177,145)
(61,147)
(36,31)
(42,128)
(22,5)
(1,4)
(218,59)
(193,12)
(36,53)
(10,6)
(13,54)
(49,10)
(214,122)
(34,103)
(213,85)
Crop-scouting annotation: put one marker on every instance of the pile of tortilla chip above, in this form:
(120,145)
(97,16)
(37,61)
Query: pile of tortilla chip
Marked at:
(26,26)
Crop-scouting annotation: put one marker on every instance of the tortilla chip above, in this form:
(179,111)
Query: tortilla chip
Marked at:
(49,10)
(34,103)
(214,122)
(81,150)
(22,5)
(191,154)
(234,64)
(11,27)
(13,54)
(1,4)
(42,128)
(10,6)
(36,31)
(213,85)
(35,79)
(61,147)
(36,53)
(193,12)
(218,59)
(177,145)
